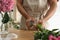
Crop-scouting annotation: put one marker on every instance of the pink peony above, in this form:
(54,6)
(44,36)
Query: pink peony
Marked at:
(51,37)
(58,37)
(6,5)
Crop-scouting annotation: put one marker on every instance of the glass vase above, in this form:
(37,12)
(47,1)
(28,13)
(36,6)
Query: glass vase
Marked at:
(4,22)
(4,28)
(4,32)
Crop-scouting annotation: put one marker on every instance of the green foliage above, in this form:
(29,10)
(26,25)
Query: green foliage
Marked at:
(43,34)
(54,29)
(40,27)
(14,24)
(5,18)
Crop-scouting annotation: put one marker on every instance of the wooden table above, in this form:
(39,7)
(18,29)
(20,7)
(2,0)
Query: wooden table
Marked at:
(23,34)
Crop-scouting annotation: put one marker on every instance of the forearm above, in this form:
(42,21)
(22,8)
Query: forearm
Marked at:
(50,12)
(22,11)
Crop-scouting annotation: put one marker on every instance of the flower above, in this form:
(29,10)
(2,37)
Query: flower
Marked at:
(45,34)
(51,37)
(6,5)
(58,37)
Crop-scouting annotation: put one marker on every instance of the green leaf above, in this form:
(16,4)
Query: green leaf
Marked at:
(40,27)
(54,29)
(16,26)
(5,18)
(57,33)
(38,35)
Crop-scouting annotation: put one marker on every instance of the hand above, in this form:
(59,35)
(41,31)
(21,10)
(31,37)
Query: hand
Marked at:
(42,22)
(29,23)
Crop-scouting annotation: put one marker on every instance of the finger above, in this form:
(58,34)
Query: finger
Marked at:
(32,19)
(39,22)
(28,20)
(33,28)
(27,24)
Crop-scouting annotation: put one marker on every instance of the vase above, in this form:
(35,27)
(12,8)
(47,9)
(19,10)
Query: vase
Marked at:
(4,28)
(4,21)
(5,25)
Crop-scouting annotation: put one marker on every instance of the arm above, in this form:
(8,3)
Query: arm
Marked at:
(22,10)
(51,11)
(24,13)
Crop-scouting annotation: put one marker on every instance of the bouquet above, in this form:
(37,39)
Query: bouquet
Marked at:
(6,7)
(45,34)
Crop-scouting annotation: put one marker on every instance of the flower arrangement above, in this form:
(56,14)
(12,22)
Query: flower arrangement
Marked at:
(45,34)
(6,7)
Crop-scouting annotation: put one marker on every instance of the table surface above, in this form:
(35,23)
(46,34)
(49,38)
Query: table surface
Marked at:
(23,34)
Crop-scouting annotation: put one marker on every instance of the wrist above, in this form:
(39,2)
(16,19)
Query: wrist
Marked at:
(28,17)
(45,20)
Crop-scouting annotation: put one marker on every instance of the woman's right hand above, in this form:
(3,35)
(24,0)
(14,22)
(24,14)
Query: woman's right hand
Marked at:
(29,23)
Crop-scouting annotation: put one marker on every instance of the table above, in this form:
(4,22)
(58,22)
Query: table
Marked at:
(23,34)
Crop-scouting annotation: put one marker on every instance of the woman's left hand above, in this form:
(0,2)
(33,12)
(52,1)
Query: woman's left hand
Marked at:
(42,22)
(34,27)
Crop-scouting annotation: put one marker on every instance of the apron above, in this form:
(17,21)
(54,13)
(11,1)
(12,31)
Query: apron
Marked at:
(35,8)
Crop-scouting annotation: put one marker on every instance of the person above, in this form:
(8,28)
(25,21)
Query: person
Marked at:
(35,12)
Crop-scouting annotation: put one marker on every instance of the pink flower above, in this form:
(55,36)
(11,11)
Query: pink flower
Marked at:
(58,37)
(6,5)
(51,37)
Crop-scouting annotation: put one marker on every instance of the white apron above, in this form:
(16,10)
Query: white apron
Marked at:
(35,8)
